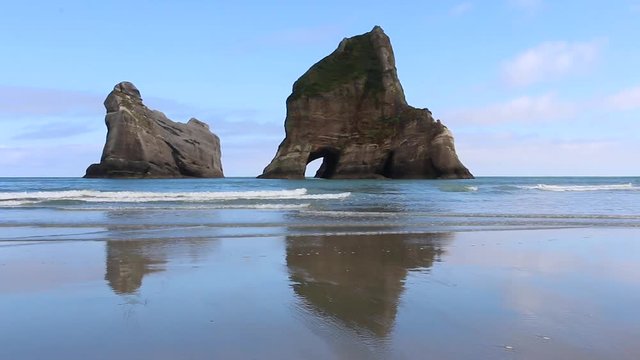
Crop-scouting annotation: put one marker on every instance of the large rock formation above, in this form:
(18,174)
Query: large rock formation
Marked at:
(350,110)
(144,143)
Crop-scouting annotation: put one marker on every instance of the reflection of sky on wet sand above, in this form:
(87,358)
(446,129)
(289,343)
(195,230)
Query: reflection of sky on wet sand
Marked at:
(567,294)
(545,294)
(33,267)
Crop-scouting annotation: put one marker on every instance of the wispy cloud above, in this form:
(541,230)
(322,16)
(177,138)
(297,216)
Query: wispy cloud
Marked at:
(550,60)
(21,101)
(521,109)
(627,99)
(527,5)
(59,160)
(181,112)
(461,8)
(545,156)
(57,130)
(247,147)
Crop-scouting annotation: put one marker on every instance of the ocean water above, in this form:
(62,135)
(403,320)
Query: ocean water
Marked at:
(79,209)
(238,268)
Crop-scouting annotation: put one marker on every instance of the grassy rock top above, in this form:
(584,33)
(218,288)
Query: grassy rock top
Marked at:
(355,58)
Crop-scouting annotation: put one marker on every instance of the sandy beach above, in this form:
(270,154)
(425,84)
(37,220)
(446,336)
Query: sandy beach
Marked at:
(297,180)
(524,294)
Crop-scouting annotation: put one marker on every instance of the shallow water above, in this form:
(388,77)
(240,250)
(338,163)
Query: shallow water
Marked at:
(543,294)
(48,208)
(492,268)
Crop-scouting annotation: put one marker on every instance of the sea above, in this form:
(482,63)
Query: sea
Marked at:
(93,209)
(241,268)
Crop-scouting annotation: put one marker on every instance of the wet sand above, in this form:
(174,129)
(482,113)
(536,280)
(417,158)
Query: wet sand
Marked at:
(525,294)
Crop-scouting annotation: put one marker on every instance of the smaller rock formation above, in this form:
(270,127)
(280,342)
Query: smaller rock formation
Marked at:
(144,143)
(350,110)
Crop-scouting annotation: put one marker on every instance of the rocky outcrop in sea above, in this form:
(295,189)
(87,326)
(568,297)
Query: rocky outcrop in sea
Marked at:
(144,143)
(350,110)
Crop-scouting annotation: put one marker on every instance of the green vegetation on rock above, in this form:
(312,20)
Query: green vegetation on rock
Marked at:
(355,58)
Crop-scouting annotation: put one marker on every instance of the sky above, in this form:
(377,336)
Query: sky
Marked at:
(528,87)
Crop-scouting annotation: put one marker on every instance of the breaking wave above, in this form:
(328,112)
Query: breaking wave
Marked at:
(194,207)
(458,188)
(8,199)
(604,187)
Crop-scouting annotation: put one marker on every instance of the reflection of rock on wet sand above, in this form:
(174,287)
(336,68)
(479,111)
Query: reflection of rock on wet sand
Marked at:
(128,261)
(358,280)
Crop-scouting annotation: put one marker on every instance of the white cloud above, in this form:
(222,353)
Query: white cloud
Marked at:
(627,99)
(522,109)
(550,60)
(461,8)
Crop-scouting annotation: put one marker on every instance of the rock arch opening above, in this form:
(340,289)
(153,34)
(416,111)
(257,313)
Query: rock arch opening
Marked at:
(313,167)
(387,169)
(330,157)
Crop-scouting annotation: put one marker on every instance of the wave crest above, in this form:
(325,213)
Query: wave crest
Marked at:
(458,188)
(92,196)
(603,187)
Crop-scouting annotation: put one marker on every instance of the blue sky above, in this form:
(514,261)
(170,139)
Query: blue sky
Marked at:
(528,87)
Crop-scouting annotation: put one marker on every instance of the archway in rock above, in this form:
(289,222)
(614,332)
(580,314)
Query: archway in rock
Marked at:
(330,157)
(387,170)
(313,167)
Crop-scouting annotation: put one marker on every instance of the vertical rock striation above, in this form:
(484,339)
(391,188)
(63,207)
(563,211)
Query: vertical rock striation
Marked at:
(350,110)
(144,143)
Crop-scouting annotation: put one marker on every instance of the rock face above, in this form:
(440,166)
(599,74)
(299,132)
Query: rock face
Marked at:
(350,110)
(144,143)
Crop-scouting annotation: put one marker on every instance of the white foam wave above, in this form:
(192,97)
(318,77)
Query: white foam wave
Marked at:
(458,188)
(603,187)
(92,196)
(189,207)
(336,196)
(12,203)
